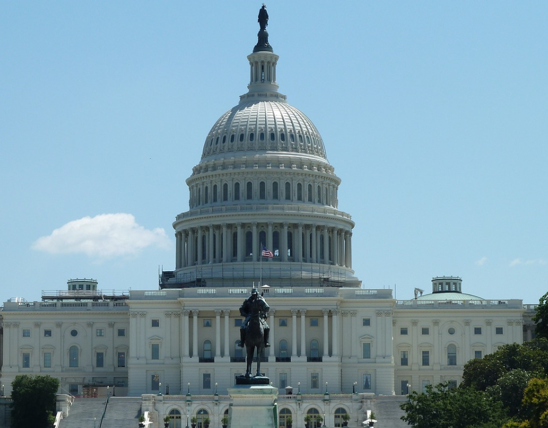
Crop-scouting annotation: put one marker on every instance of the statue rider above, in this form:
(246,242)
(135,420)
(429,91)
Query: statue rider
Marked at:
(247,309)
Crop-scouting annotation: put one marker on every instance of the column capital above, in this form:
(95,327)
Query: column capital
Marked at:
(89,323)
(176,314)
(488,322)
(379,313)
(414,322)
(37,324)
(111,324)
(226,312)
(195,312)
(218,312)
(186,312)
(302,312)
(168,314)
(294,312)
(325,312)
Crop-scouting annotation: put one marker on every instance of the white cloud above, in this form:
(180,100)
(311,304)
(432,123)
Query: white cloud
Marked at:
(481,261)
(518,262)
(103,236)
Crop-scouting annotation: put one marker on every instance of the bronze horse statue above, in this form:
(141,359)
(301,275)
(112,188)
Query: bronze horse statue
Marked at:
(254,336)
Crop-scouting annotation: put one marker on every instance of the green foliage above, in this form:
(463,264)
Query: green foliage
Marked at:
(541,317)
(509,391)
(33,401)
(445,407)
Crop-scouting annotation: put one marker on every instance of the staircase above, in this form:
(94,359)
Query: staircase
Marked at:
(121,412)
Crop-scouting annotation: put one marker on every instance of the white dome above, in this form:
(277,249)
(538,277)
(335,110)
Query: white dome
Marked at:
(261,126)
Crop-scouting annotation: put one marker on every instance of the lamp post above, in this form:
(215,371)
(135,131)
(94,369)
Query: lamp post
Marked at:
(299,397)
(354,387)
(160,388)
(188,403)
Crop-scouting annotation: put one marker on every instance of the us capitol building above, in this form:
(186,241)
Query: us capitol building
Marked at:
(263,182)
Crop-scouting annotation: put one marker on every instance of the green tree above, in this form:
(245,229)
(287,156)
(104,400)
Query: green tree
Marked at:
(33,401)
(445,407)
(535,403)
(541,317)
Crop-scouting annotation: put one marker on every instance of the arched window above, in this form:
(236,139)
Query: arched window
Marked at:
(314,349)
(315,418)
(251,136)
(225,192)
(340,417)
(236,191)
(208,354)
(287,191)
(321,247)
(206,195)
(235,244)
(261,136)
(73,356)
(319,201)
(275,190)
(199,196)
(283,348)
(310,193)
(299,192)
(215,193)
(326,199)
(451,355)
(201,417)
(289,244)
(284,414)
(204,248)
(249,191)
(262,190)
(276,243)
(262,241)
(175,418)
(248,244)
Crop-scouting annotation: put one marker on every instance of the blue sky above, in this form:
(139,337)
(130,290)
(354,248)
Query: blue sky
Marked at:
(434,114)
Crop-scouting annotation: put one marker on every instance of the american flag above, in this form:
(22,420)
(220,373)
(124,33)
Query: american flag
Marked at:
(267,253)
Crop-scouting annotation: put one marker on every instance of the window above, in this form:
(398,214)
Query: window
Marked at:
(283,348)
(451,355)
(452,384)
(47,360)
(314,380)
(100,332)
(206,380)
(477,330)
(498,330)
(425,383)
(262,190)
(73,356)
(100,359)
(313,322)
(404,385)
(425,331)
(287,191)
(26,332)
(201,417)
(366,350)
(175,417)
(47,333)
(339,417)
(310,194)
(26,360)
(121,332)
(451,331)
(236,191)
(404,358)
(284,414)
(478,354)
(366,322)
(225,192)
(283,381)
(314,349)
(155,323)
(275,190)
(215,193)
(155,351)
(425,358)
(121,359)
(282,322)
(403,331)
(74,333)
(249,191)
(155,382)
(314,417)
(238,322)
(207,350)
(207,322)
(299,191)
(366,381)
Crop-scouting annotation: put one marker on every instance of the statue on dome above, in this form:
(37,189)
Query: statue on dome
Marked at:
(263,17)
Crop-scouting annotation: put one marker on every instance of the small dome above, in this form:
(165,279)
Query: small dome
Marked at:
(445,296)
(260,126)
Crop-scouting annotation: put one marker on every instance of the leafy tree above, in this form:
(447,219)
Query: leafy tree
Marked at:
(535,402)
(445,407)
(33,401)
(509,390)
(541,317)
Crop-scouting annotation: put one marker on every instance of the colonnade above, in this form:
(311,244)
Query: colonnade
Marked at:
(239,242)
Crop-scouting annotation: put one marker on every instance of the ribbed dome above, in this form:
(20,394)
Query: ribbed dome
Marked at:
(263,126)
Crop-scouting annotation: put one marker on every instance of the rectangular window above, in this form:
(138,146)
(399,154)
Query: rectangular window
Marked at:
(313,322)
(452,384)
(366,350)
(477,330)
(47,360)
(26,360)
(283,322)
(425,331)
(404,387)
(283,380)
(425,383)
(121,359)
(100,359)
(207,322)
(425,358)
(404,358)
(366,322)
(100,332)
(47,333)
(26,332)
(499,330)
(155,382)
(206,380)
(314,380)
(155,323)
(238,322)
(366,381)
(478,354)
(403,331)
(155,351)
(121,332)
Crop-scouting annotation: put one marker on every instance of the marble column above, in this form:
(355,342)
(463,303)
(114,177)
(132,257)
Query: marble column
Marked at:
(240,243)
(314,245)
(325,333)
(191,249)
(299,244)
(218,333)
(226,252)
(226,313)
(195,333)
(303,333)
(335,333)
(200,250)
(186,333)
(294,333)
(272,356)
(254,242)
(325,245)
(284,243)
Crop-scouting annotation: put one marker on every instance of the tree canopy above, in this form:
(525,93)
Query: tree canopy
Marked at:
(33,401)
(541,317)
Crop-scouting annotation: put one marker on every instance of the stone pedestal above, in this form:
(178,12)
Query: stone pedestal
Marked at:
(253,406)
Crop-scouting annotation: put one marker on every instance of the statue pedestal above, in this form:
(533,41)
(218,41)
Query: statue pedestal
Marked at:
(253,406)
